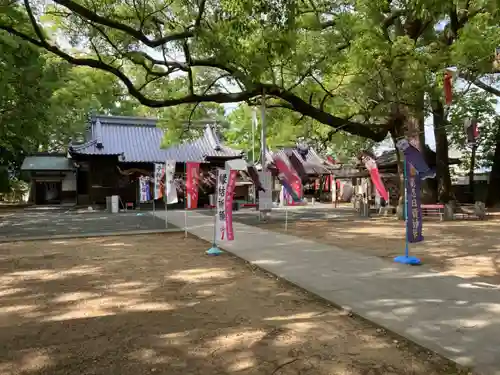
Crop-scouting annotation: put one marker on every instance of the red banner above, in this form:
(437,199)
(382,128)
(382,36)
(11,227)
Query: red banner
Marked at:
(372,168)
(448,87)
(289,179)
(226,182)
(231,183)
(192,178)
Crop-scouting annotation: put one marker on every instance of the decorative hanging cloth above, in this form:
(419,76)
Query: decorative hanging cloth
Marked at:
(471,131)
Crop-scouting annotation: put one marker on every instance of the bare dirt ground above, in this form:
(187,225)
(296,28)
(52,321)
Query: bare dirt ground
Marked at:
(156,304)
(465,248)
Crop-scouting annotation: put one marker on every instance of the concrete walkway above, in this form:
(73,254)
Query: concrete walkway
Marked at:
(454,317)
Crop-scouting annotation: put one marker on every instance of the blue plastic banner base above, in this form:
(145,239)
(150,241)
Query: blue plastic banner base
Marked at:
(403,259)
(214,250)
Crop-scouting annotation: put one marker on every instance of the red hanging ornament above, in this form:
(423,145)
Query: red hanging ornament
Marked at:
(447,84)
(331,160)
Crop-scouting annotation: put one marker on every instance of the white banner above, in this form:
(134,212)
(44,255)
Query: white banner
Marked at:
(170,188)
(266,197)
(226,182)
(158,179)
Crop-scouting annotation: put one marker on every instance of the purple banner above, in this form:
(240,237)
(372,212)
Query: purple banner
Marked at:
(413,209)
(415,158)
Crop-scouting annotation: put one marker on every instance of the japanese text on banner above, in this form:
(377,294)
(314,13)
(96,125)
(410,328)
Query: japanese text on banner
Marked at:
(170,188)
(192,177)
(414,213)
(159,178)
(226,181)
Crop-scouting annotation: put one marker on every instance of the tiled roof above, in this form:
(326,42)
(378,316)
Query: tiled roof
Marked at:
(207,146)
(136,139)
(47,163)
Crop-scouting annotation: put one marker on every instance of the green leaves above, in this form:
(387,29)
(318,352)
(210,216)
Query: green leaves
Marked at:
(482,106)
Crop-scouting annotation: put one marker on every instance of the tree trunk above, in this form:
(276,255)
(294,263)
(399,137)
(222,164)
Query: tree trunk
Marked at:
(406,124)
(493,197)
(445,193)
(472,167)
(429,186)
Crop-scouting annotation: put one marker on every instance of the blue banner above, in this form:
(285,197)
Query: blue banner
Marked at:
(416,159)
(413,208)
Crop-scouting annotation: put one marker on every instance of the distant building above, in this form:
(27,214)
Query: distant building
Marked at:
(115,152)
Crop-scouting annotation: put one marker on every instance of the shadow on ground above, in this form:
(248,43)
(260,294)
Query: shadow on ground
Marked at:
(465,248)
(33,222)
(155,304)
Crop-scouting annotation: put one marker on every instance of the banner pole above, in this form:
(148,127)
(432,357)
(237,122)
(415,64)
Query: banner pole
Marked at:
(214,250)
(185,201)
(166,212)
(154,215)
(406,259)
(165,196)
(407,250)
(286,218)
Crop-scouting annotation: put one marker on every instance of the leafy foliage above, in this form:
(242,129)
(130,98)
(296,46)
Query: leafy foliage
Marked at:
(325,68)
(481,105)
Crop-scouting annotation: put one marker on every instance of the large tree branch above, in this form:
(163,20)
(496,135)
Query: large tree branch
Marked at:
(153,103)
(297,104)
(477,81)
(137,34)
(250,90)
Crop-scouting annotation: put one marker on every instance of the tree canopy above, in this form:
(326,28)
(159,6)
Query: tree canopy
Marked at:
(351,65)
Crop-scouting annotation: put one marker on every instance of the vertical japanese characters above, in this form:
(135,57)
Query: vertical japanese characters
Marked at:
(159,178)
(413,209)
(170,188)
(192,180)
(144,189)
(226,182)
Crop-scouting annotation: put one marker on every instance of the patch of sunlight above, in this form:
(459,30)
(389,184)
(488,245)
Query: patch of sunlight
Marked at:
(59,242)
(267,262)
(404,311)
(371,341)
(82,270)
(137,291)
(391,302)
(242,362)
(175,338)
(126,285)
(301,327)
(205,293)
(75,296)
(308,315)
(94,308)
(286,294)
(149,356)
(30,362)
(289,338)
(151,306)
(10,291)
(78,314)
(34,361)
(478,286)
(468,323)
(17,309)
(201,274)
(490,307)
(464,361)
(42,275)
(230,341)
(49,275)
(122,244)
